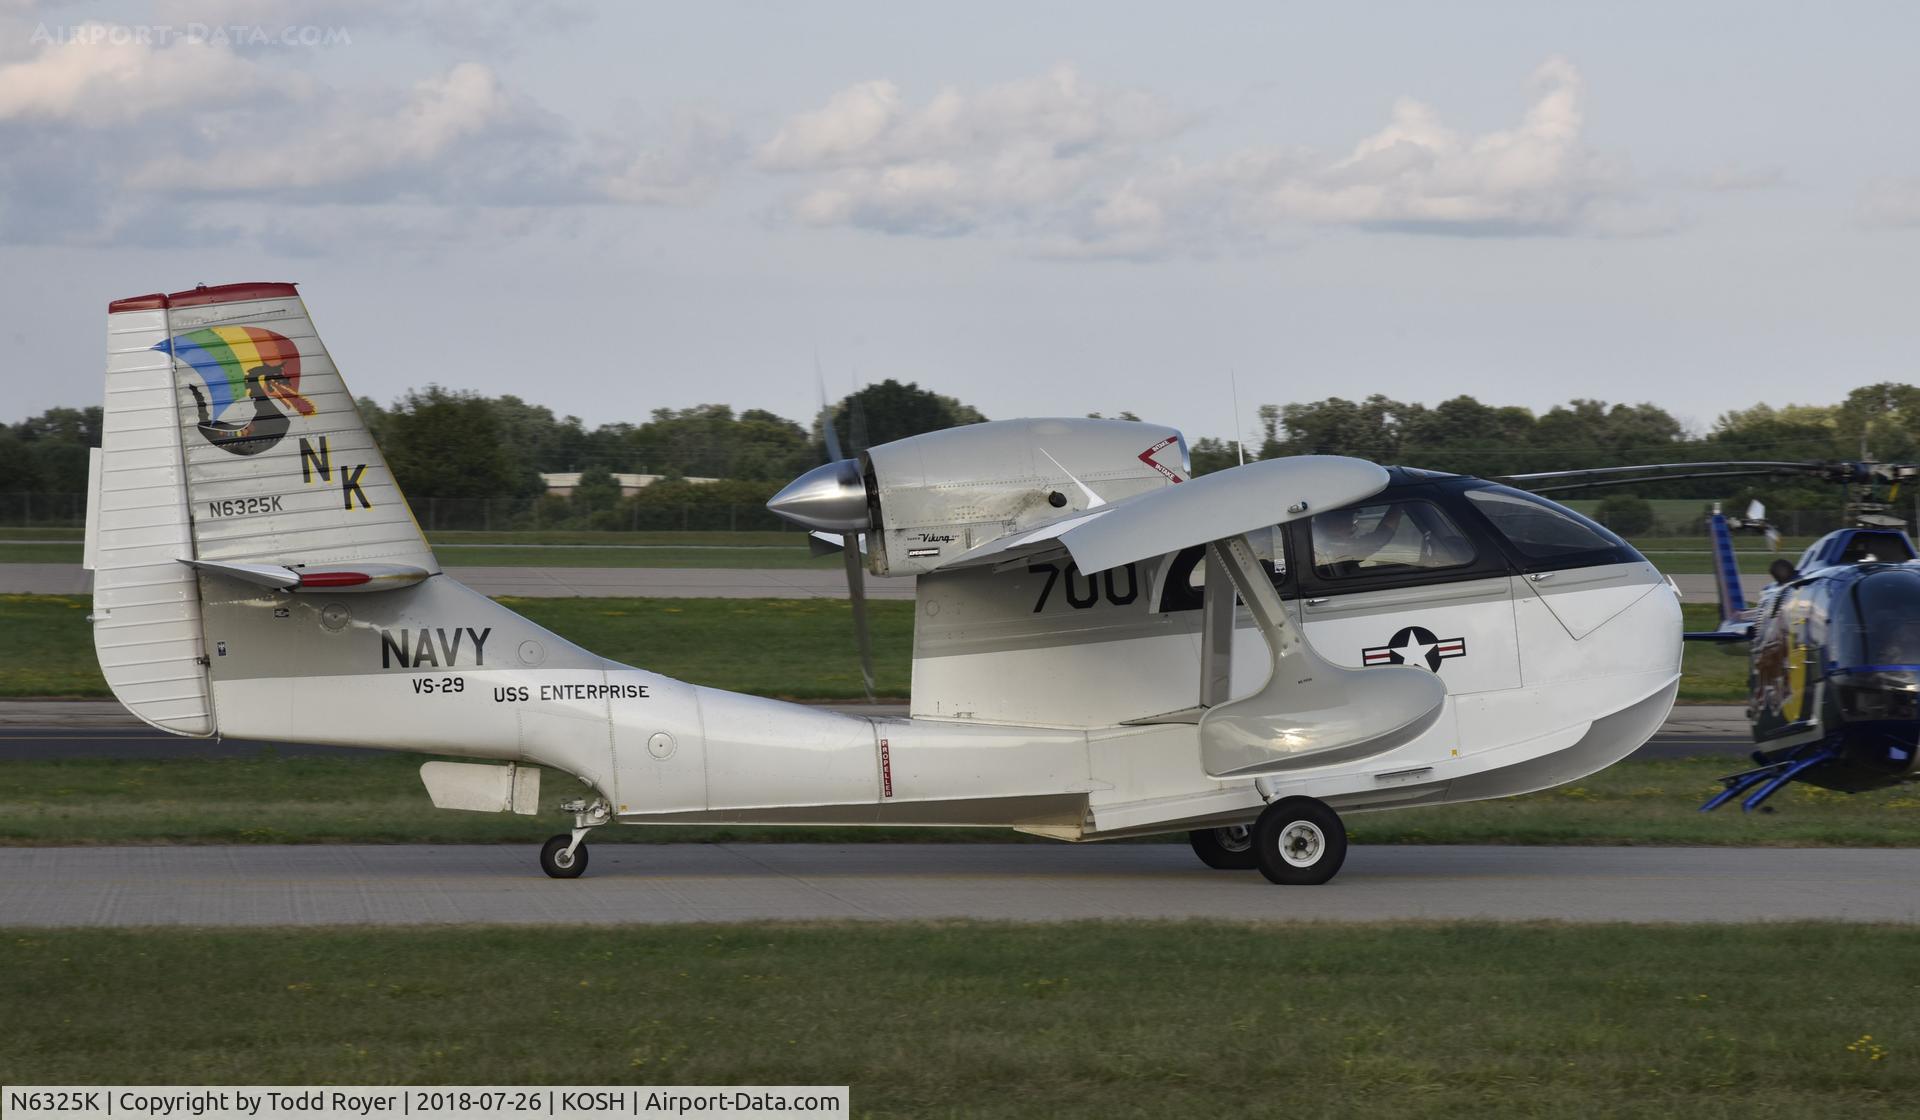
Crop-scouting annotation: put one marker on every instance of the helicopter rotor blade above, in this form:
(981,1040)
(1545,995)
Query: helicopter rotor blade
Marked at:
(1594,484)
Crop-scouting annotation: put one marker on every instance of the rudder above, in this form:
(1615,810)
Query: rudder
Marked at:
(228,437)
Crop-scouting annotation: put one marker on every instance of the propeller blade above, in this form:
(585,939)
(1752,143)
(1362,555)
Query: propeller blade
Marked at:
(856,423)
(857,596)
(826,415)
(850,544)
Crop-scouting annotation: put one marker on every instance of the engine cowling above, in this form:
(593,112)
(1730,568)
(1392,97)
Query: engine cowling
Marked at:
(928,498)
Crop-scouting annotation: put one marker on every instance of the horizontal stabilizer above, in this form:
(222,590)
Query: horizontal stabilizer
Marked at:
(1209,508)
(332,579)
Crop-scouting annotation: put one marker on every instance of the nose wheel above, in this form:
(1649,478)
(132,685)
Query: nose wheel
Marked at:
(562,858)
(1298,841)
(565,856)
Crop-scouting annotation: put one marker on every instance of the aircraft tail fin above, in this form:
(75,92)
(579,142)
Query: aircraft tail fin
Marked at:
(1726,572)
(1736,622)
(228,438)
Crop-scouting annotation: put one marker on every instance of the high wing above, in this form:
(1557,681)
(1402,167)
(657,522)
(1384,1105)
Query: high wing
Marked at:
(1309,711)
(1209,508)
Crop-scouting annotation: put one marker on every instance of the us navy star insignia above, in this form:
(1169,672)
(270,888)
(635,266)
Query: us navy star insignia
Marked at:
(1414,645)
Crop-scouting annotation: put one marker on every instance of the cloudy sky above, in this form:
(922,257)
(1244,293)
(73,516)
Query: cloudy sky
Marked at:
(1041,209)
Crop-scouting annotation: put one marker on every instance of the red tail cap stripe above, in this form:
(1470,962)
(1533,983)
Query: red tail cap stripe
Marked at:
(195,297)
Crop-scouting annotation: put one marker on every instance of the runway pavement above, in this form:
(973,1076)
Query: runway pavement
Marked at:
(651,884)
(51,729)
(661,583)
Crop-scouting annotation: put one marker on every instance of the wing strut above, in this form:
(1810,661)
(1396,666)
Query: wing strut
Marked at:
(1217,604)
(1310,712)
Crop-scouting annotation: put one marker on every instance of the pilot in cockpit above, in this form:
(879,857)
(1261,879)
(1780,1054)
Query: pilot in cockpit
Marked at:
(1339,537)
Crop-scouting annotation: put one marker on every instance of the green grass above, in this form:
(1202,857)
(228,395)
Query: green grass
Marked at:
(30,533)
(1108,1020)
(796,648)
(500,555)
(1711,672)
(584,549)
(48,649)
(799,648)
(272,798)
(791,538)
(664,556)
(544,550)
(13,552)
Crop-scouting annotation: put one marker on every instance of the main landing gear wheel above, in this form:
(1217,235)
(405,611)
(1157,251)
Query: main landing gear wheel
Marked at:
(558,862)
(1299,842)
(1224,849)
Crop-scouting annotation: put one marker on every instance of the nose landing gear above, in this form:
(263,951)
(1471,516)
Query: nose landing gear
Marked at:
(565,856)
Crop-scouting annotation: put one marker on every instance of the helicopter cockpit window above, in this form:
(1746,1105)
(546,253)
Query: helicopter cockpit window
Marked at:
(1387,538)
(1867,546)
(1889,615)
(1540,530)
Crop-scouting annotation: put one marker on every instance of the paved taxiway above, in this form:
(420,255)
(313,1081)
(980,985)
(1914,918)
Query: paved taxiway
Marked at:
(659,583)
(662,883)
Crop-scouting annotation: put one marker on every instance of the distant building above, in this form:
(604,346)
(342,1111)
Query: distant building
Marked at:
(630,484)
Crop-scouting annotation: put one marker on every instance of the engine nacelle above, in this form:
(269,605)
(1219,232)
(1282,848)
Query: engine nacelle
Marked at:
(928,498)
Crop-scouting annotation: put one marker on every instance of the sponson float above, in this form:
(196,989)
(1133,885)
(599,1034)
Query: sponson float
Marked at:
(1104,645)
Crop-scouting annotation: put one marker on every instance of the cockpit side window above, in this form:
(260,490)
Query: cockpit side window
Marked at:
(1387,538)
(1184,585)
(1888,605)
(1546,535)
(1868,546)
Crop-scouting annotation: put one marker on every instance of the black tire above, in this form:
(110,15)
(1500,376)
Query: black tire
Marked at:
(1224,849)
(554,851)
(1299,842)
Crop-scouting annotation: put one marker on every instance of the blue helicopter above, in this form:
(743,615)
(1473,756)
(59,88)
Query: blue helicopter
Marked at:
(1834,641)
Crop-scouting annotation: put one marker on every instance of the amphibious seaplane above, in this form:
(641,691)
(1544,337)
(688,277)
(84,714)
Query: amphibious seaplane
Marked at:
(1834,643)
(1105,646)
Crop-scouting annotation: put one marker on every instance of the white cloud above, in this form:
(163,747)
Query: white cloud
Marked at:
(439,113)
(101,81)
(1070,166)
(843,131)
(1891,204)
(1418,174)
(699,148)
(1011,154)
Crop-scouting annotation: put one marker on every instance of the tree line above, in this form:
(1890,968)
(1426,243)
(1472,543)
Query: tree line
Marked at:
(453,445)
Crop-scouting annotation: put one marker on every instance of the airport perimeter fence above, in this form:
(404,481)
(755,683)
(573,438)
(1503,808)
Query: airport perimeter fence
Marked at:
(552,512)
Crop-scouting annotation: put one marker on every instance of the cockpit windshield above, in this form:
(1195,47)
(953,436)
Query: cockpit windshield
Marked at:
(1547,535)
(1886,629)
